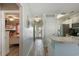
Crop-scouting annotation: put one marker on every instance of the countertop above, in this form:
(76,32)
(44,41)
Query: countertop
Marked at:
(66,39)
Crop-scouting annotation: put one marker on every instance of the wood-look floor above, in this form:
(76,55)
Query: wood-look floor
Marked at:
(14,51)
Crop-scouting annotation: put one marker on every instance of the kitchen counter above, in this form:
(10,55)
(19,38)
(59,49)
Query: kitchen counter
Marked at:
(66,39)
(63,46)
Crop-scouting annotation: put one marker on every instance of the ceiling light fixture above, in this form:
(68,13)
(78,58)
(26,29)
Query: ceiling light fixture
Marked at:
(11,19)
(37,19)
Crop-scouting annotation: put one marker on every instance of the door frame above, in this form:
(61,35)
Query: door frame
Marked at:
(21,31)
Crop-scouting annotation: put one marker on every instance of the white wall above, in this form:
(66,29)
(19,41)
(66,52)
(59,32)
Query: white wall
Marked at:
(51,26)
(4,43)
(0,39)
(27,32)
(7,42)
(0,33)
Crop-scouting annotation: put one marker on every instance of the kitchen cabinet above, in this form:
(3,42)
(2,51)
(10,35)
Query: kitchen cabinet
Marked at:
(65,46)
(66,49)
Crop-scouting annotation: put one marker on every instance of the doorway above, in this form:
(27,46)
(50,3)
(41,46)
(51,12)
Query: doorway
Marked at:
(11,31)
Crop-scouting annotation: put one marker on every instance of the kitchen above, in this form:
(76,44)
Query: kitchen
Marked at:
(66,42)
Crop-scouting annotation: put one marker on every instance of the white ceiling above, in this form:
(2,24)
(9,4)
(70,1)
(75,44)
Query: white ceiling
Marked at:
(53,8)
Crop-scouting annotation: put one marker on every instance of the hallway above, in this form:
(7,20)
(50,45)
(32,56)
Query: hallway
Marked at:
(39,29)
